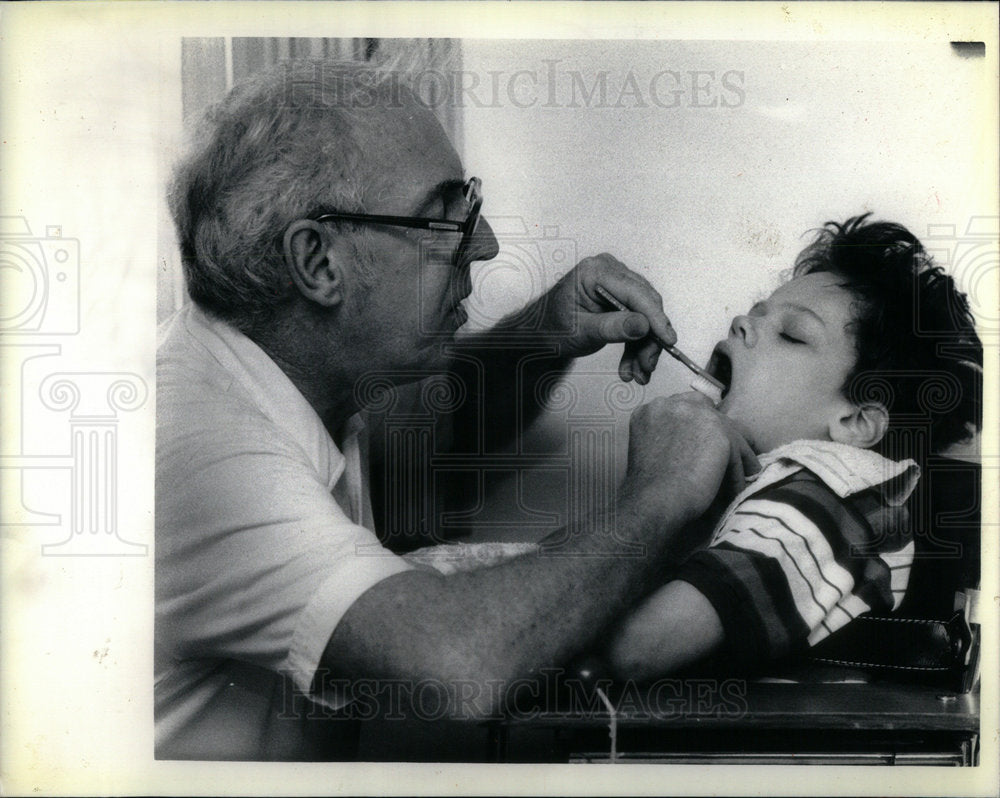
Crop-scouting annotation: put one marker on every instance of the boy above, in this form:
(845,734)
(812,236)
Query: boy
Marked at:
(832,379)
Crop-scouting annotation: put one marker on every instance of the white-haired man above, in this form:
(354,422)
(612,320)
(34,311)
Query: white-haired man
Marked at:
(328,230)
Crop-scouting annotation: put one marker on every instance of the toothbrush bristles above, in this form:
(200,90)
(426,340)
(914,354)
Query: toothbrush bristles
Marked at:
(706,388)
(700,374)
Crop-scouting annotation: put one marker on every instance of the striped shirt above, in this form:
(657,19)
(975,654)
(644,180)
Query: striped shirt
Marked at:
(820,537)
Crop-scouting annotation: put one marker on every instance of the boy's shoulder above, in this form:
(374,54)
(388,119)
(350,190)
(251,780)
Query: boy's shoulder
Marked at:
(863,518)
(848,494)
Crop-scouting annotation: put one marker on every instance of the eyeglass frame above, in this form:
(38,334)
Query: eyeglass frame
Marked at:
(472,191)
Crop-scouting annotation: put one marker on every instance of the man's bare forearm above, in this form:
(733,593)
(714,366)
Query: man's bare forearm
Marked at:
(509,621)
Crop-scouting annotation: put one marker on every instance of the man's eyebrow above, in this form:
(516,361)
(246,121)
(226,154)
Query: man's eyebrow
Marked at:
(439,190)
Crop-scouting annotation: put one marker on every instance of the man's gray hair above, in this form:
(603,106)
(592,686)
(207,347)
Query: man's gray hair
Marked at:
(284,145)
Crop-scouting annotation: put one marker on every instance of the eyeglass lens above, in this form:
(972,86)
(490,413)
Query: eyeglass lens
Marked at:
(474,199)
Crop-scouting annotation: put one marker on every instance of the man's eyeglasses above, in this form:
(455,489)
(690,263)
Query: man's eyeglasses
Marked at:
(471,193)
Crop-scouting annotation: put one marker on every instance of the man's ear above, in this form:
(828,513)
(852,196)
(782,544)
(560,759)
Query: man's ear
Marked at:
(312,263)
(860,425)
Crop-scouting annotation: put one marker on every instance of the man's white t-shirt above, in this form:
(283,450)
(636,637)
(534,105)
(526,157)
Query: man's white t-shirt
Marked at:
(263,541)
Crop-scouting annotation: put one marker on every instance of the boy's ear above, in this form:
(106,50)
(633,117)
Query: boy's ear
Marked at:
(862,425)
(312,263)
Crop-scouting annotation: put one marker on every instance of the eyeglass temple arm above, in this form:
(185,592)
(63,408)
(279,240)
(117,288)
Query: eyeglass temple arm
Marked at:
(400,221)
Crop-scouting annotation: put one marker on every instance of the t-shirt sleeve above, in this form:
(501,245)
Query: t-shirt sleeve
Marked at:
(256,561)
(793,564)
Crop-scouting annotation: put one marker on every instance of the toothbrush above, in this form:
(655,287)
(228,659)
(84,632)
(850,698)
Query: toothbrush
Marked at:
(704,383)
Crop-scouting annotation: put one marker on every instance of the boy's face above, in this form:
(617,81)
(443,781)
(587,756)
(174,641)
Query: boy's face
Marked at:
(786,361)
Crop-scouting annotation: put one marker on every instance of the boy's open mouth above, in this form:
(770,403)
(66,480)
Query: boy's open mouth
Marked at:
(721,367)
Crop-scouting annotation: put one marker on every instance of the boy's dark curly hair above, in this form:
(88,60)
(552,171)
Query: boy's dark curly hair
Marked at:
(917,349)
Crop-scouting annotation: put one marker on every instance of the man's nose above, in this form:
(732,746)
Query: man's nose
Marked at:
(743,328)
(483,244)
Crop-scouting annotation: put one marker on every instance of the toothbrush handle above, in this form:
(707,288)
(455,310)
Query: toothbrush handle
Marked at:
(671,350)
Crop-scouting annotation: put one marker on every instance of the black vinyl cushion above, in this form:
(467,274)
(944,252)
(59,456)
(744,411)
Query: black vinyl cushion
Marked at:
(924,637)
(945,511)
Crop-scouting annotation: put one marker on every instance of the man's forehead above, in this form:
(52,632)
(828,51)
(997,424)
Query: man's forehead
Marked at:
(401,128)
(408,152)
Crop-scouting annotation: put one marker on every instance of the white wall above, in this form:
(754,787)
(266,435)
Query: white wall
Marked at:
(711,204)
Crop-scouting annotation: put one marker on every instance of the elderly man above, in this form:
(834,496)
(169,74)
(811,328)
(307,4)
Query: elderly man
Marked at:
(327,231)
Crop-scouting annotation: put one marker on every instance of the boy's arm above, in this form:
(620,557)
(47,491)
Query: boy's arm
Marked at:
(672,628)
(792,565)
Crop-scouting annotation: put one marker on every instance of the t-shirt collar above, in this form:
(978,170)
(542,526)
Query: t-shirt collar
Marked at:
(846,470)
(274,394)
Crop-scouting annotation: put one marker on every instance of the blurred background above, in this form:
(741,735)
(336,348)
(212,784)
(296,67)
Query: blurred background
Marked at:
(700,164)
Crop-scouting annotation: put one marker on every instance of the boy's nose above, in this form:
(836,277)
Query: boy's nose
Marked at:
(742,327)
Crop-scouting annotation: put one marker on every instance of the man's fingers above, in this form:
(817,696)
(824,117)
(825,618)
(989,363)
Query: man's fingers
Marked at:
(636,294)
(751,465)
(742,462)
(646,352)
(695,397)
(736,478)
(640,359)
(629,368)
(740,437)
(609,328)
(680,453)
(625,368)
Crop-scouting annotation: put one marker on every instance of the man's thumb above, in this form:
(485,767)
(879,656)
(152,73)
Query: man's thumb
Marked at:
(614,327)
(619,326)
(634,325)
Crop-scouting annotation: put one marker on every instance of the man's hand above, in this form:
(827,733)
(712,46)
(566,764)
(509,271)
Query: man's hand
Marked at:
(480,629)
(683,454)
(572,304)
